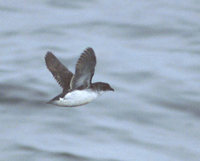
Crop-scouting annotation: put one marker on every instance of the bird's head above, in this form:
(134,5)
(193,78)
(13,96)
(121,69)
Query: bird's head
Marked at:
(101,86)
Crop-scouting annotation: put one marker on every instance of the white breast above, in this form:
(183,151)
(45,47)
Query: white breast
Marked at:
(77,97)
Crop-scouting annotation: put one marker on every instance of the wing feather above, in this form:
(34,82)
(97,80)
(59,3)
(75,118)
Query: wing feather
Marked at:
(85,68)
(59,71)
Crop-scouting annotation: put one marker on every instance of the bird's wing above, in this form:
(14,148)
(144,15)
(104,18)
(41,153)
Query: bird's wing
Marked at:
(59,71)
(85,68)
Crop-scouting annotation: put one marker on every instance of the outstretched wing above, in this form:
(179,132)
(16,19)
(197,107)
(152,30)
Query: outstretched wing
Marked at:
(59,71)
(84,70)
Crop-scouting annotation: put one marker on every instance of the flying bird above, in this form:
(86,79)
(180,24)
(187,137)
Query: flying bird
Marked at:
(78,88)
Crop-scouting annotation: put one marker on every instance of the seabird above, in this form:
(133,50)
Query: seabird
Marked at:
(78,88)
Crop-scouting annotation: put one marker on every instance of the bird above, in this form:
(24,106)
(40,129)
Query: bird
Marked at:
(78,88)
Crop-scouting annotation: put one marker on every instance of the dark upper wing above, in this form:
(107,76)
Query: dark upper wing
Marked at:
(59,71)
(84,69)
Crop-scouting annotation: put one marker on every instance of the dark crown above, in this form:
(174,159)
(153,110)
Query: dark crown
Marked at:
(101,86)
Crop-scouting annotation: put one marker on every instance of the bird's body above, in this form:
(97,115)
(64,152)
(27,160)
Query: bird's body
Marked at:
(77,88)
(77,98)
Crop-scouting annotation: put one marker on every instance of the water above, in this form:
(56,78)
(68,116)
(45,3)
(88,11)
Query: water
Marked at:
(147,51)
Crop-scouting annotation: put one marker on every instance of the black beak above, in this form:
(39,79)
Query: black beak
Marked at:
(112,89)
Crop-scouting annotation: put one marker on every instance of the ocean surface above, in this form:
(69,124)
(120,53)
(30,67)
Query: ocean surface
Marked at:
(148,51)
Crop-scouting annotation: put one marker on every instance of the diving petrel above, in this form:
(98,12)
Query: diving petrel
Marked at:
(78,88)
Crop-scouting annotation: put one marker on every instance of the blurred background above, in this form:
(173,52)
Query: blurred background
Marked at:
(147,50)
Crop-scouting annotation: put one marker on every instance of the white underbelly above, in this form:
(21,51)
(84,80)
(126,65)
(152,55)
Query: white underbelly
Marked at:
(77,97)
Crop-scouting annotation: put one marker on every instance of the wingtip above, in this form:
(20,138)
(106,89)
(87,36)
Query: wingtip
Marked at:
(49,56)
(90,52)
(48,53)
(89,49)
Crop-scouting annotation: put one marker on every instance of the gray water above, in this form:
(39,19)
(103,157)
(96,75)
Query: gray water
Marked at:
(149,51)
